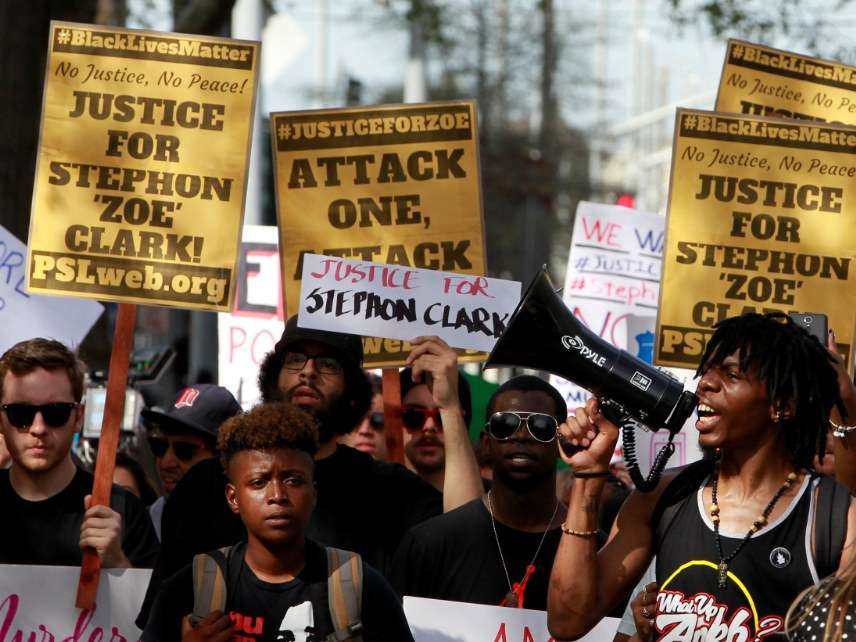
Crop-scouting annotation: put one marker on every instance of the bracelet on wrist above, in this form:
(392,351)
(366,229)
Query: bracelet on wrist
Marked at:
(591,475)
(840,430)
(571,531)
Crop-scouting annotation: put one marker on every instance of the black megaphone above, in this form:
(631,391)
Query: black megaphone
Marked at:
(543,334)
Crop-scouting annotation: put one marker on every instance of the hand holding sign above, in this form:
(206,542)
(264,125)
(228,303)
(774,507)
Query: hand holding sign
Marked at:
(102,530)
(217,627)
(434,361)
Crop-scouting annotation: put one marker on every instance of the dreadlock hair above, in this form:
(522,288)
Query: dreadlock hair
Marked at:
(796,368)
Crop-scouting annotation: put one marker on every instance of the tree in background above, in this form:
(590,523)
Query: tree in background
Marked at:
(517,59)
(810,25)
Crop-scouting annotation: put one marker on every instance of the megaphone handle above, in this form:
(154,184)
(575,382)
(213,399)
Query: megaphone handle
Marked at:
(613,411)
(609,409)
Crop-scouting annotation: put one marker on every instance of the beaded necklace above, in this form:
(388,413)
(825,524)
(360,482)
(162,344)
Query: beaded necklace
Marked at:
(757,525)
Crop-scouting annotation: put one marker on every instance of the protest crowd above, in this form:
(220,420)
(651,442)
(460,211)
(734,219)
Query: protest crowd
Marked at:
(374,491)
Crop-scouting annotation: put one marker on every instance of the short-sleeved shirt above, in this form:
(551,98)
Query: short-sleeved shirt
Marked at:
(48,531)
(456,557)
(294,610)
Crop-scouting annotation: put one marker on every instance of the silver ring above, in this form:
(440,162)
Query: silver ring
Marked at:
(645,612)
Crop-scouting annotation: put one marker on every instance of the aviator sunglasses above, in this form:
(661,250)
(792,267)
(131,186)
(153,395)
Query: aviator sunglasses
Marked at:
(414,417)
(502,425)
(22,415)
(184,450)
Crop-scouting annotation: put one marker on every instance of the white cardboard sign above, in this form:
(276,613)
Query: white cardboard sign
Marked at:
(613,273)
(24,315)
(399,302)
(255,324)
(443,621)
(37,603)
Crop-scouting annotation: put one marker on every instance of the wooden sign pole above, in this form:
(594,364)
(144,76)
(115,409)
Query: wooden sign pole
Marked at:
(108,442)
(392,415)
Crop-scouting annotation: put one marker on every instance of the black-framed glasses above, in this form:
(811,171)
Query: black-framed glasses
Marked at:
(375,420)
(55,415)
(325,364)
(502,425)
(413,418)
(184,450)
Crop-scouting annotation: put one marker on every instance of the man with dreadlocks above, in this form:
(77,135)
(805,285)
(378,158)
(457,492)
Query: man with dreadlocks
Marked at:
(738,536)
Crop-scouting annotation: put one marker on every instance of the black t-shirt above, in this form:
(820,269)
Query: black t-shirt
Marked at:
(364,505)
(264,611)
(48,531)
(455,557)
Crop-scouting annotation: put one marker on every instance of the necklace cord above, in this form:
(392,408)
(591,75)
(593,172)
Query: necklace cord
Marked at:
(757,525)
(518,588)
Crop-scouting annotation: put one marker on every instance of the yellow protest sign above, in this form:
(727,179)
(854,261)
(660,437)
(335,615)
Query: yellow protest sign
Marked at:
(762,81)
(393,184)
(762,216)
(142,166)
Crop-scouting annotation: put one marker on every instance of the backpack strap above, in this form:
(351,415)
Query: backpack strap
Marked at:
(209,583)
(345,593)
(830,524)
(674,496)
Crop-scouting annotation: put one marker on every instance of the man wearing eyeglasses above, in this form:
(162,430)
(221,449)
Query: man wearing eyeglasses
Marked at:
(185,434)
(45,498)
(499,548)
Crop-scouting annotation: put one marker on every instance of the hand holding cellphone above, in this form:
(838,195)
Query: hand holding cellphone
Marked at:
(816,323)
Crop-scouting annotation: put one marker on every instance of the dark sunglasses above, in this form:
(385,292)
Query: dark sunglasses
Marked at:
(502,425)
(376,420)
(184,450)
(55,415)
(414,417)
(325,364)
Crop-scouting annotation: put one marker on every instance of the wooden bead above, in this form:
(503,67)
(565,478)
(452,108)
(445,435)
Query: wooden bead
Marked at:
(714,509)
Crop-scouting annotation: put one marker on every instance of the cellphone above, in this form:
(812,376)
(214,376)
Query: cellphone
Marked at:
(816,323)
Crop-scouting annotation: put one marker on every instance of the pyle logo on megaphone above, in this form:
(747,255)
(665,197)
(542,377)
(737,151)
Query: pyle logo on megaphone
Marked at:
(575,343)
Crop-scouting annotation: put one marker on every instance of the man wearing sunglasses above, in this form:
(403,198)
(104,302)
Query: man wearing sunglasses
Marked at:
(47,514)
(499,548)
(422,419)
(185,434)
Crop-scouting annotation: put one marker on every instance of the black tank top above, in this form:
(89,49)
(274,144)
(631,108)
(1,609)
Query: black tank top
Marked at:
(773,567)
